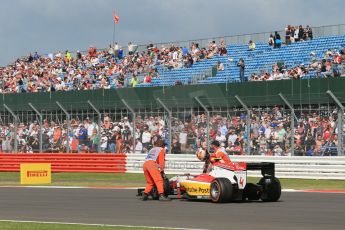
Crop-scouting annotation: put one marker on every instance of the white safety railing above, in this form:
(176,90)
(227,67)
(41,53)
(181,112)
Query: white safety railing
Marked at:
(286,167)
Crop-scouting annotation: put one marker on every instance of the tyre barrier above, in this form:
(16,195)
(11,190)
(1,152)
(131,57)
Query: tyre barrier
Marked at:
(66,162)
(286,167)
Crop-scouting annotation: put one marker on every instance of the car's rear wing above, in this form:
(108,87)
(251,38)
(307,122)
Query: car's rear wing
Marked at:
(267,168)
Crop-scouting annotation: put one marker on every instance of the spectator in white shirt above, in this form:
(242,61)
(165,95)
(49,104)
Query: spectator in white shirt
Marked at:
(232,137)
(104,143)
(220,138)
(146,138)
(130,48)
(183,139)
(220,66)
(138,146)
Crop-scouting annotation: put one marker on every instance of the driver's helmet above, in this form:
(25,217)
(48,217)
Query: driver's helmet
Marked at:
(201,154)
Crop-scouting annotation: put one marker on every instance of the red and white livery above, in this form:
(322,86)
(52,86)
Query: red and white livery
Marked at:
(226,182)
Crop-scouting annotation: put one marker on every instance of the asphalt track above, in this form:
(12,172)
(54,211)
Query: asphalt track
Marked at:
(121,207)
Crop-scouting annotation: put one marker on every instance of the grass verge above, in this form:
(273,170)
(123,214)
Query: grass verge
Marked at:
(4,225)
(138,180)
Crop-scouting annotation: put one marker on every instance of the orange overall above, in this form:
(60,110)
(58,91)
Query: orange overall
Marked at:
(153,166)
(220,154)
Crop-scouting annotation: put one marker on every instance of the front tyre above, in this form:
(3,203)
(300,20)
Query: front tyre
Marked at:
(167,189)
(154,193)
(221,190)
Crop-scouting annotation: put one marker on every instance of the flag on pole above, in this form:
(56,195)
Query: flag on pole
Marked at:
(116,17)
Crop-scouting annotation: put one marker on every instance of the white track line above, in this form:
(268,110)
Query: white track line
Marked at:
(290,190)
(100,225)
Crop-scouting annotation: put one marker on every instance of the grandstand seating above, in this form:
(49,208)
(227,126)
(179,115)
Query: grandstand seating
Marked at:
(261,59)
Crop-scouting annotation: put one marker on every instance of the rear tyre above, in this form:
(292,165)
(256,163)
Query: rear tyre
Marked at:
(271,189)
(221,190)
(167,188)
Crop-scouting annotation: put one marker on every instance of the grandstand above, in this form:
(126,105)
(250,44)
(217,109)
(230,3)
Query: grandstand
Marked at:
(106,70)
(302,116)
(263,58)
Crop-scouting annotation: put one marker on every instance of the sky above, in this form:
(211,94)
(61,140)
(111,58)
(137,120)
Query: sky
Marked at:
(51,25)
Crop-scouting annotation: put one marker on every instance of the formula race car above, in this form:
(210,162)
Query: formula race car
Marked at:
(224,183)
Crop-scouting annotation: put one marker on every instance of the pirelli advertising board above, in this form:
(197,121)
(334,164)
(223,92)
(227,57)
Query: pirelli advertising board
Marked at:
(37,173)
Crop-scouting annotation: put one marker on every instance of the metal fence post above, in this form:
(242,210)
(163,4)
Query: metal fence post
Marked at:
(207,122)
(68,116)
(339,122)
(247,122)
(99,122)
(15,127)
(41,126)
(134,121)
(340,132)
(169,124)
(292,123)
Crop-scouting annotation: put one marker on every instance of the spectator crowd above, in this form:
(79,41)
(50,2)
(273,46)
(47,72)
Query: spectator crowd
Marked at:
(297,34)
(270,130)
(315,133)
(329,66)
(292,34)
(110,68)
(99,69)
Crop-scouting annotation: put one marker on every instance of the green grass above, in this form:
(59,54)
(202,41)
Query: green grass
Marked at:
(308,184)
(137,180)
(40,226)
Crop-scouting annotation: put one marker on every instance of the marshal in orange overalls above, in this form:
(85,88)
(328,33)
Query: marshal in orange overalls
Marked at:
(220,154)
(153,166)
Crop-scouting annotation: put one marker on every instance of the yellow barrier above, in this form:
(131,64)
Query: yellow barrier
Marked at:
(37,173)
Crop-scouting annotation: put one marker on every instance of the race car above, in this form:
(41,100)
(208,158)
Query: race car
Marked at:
(224,183)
